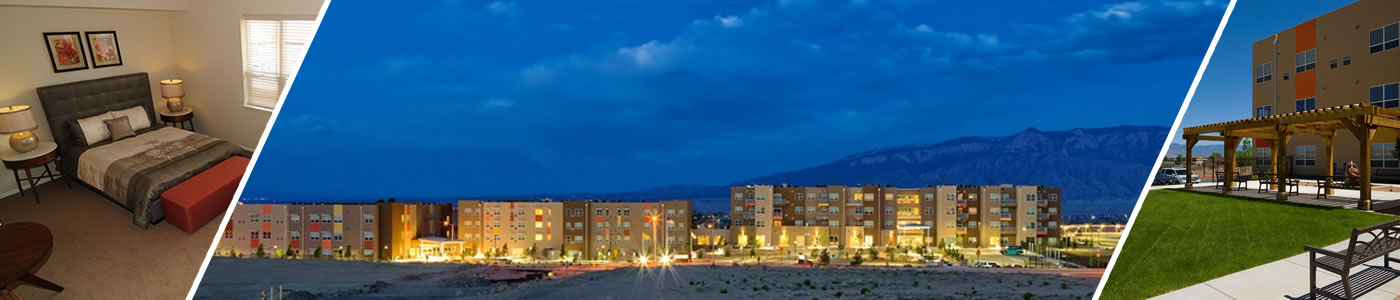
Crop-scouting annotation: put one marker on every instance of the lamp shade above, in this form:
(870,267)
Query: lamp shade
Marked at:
(16,118)
(172,88)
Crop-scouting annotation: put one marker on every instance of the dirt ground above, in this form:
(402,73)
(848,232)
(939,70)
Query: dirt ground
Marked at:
(301,279)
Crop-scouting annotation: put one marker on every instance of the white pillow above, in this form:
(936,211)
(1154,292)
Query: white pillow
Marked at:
(93,129)
(136,114)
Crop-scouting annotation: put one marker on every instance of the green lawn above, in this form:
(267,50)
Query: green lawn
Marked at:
(1184,238)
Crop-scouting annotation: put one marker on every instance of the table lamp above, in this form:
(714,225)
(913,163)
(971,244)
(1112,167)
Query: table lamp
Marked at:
(172,90)
(18,120)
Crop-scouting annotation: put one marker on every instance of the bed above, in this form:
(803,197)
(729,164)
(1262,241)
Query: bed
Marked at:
(134,171)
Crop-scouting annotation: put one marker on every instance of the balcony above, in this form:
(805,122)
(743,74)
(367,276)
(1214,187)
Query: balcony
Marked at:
(779,201)
(962,203)
(962,228)
(854,203)
(1008,202)
(1042,203)
(962,215)
(777,215)
(1042,216)
(1005,215)
(1042,231)
(1008,230)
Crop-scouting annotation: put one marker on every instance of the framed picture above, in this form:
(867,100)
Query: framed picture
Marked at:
(103,46)
(65,51)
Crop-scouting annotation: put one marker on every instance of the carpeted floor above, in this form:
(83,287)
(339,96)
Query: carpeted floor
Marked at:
(99,254)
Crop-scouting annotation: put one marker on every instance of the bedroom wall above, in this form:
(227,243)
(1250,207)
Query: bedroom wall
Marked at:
(144,37)
(209,58)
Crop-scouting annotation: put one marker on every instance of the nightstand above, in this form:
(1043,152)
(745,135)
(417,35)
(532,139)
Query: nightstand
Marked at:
(40,157)
(179,119)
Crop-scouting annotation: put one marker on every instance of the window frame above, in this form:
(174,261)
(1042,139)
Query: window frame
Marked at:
(1305,104)
(1305,61)
(1384,44)
(1305,158)
(1382,158)
(284,83)
(1385,102)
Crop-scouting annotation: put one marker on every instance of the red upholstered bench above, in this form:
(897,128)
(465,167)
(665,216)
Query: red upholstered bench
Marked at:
(194,202)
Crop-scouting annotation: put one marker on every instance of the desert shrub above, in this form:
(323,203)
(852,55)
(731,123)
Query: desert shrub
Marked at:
(1027,296)
(864,291)
(838,294)
(724,291)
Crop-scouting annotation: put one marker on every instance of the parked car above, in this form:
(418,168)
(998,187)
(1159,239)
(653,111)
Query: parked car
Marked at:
(1013,250)
(1174,176)
(985,264)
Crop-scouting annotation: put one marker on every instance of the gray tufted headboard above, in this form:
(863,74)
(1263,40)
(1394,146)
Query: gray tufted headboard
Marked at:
(64,103)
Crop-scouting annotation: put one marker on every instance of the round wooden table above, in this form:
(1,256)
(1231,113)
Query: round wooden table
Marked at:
(26,247)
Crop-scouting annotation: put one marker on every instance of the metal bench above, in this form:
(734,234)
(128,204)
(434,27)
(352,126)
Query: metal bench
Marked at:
(1266,181)
(1365,245)
(1335,182)
(1241,182)
(1270,180)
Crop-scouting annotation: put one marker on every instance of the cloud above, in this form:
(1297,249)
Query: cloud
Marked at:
(509,10)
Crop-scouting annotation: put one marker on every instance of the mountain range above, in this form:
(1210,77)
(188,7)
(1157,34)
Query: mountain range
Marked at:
(1201,149)
(1100,170)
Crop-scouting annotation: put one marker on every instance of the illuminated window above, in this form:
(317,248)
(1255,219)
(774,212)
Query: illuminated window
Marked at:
(539,237)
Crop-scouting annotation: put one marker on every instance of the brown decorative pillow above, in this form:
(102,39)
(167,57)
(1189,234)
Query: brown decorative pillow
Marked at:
(120,128)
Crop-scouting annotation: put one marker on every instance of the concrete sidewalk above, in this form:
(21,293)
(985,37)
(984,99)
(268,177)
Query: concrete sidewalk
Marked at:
(1282,279)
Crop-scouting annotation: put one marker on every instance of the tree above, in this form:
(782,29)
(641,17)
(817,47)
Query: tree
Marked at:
(825,257)
(1394,152)
(889,252)
(317,254)
(1178,159)
(531,251)
(261,253)
(873,253)
(1245,156)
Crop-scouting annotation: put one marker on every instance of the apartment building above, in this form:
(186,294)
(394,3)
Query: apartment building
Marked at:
(393,230)
(344,229)
(792,217)
(398,228)
(1348,56)
(255,226)
(518,227)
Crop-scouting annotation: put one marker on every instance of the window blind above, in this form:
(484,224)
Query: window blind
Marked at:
(272,50)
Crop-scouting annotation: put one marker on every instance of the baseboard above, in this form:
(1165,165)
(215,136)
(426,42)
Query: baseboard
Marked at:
(15,191)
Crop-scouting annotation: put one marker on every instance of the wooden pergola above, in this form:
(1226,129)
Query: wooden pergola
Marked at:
(1361,120)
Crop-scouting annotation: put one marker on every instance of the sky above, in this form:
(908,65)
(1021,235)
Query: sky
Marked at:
(480,98)
(1224,91)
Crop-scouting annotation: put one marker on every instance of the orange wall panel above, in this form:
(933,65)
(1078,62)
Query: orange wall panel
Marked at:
(1305,36)
(267,209)
(266,226)
(1305,86)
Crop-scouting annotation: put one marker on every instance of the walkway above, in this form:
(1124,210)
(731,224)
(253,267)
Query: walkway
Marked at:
(1340,198)
(1283,279)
